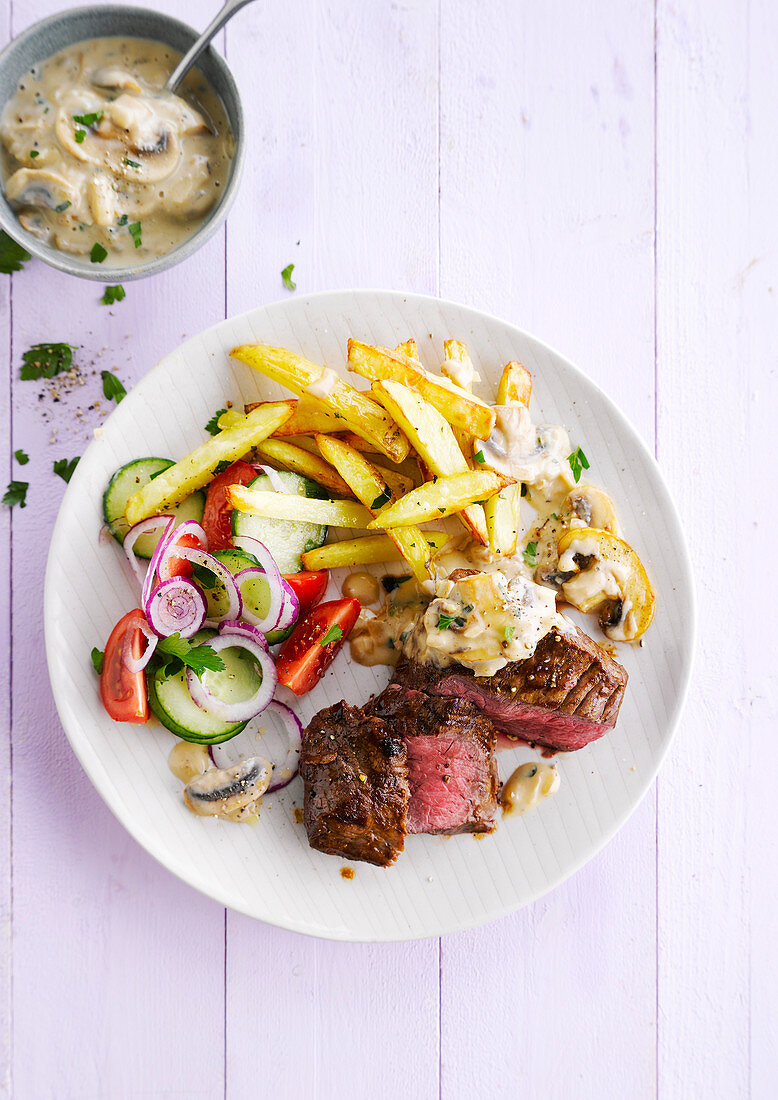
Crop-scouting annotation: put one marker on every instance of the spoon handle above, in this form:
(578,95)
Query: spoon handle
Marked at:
(189,58)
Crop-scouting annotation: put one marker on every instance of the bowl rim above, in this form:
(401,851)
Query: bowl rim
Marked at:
(70,265)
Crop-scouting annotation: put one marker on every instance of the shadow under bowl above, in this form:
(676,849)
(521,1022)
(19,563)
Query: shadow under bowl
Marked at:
(48,37)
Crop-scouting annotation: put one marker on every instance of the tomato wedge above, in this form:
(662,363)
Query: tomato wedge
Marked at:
(218,512)
(314,643)
(180,567)
(123,692)
(309,587)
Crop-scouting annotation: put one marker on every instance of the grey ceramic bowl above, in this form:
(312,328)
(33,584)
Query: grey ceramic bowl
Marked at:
(60,31)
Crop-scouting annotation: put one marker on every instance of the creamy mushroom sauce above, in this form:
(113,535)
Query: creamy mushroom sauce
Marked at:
(529,785)
(95,152)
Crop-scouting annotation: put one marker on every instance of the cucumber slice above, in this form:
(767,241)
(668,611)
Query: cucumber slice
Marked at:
(256,602)
(285,539)
(170,700)
(126,481)
(275,636)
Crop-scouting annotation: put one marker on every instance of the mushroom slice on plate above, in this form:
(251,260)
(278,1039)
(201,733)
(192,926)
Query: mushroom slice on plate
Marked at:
(591,507)
(606,575)
(40,187)
(224,791)
(114,79)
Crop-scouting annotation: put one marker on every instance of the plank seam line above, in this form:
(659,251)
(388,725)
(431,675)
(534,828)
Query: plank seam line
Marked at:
(656,455)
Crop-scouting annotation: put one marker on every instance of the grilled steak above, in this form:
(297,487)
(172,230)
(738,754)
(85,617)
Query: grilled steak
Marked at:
(565,695)
(451,769)
(355,777)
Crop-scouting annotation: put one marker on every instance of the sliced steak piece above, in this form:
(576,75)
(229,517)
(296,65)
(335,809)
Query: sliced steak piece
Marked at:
(451,767)
(355,777)
(565,695)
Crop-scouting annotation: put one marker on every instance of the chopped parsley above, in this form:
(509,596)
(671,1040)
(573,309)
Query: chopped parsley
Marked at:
(286,275)
(16,493)
(46,360)
(122,220)
(578,463)
(442,511)
(181,653)
(334,634)
(112,387)
(88,120)
(446,621)
(131,163)
(34,153)
(220,467)
(65,467)
(97,659)
(479,456)
(212,427)
(12,256)
(135,233)
(508,633)
(390,583)
(79,136)
(383,498)
(21,457)
(62,207)
(113,294)
(531,553)
(98,253)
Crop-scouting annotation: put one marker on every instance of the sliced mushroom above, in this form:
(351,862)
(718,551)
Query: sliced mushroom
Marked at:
(40,187)
(188,193)
(114,79)
(223,791)
(608,577)
(592,507)
(130,140)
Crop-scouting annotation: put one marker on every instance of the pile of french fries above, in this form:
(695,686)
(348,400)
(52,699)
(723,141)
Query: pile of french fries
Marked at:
(399,455)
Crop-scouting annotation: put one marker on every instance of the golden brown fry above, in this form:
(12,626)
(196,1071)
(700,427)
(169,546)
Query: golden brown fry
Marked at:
(502,520)
(367,550)
(300,461)
(457,406)
(305,418)
(409,348)
(515,385)
(259,502)
(458,366)
(443,497)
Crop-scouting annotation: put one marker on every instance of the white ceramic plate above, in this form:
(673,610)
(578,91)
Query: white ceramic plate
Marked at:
(269,872)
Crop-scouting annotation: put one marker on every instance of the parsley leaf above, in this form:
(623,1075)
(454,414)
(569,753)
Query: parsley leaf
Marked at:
(212,427)
(113,294)
(135,233)
(531,553)
(16,493)
(12,256)
(123,220)
(479,456)
(65,468)
(112,387)
(62,207)
(97,659)
(131,163)
(578,462)
(390,583)
(383,498)
(46,360)
(334,634)
(286,275)
(79,136)
(508,633)
(21,457)
(446,621)
(34,153)
(220,467)
(200,658)
(98,253)
(88,120)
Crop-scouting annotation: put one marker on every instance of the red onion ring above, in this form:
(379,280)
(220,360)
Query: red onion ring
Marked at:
(254,738)
(189,527)
(290,609)
(235,712)
(207,561)
(156,560)
(137,664)
(246,630)
(276,605)
(176,606)
(134,534)
(275,481)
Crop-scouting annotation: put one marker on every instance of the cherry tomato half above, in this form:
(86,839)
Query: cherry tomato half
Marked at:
(217,516)
(123,692)
(180,567)
(309,587)
(314,643)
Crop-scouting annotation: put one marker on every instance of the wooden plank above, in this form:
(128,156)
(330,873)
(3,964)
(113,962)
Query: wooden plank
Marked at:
(337,168)
(717,277)
(546,218)
(113,958)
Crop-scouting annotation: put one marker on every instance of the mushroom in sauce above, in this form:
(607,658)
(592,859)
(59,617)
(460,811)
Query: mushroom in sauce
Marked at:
(227,791)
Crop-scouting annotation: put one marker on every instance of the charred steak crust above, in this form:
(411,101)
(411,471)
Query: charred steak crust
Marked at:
(355,777)
(451,766)
(565,695)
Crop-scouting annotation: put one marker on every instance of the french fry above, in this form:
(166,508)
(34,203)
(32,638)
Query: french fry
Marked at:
(409,348)
(371,488)
(303,462)
(515,385)
(434,440)
(361,414)
(230,417)
(368,550)
(196,469)
(502,520)
(338,513)
(443,497)
(458,366)
(305,419)
(459,407)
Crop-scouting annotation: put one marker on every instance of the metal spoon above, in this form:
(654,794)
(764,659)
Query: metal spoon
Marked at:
(189,58)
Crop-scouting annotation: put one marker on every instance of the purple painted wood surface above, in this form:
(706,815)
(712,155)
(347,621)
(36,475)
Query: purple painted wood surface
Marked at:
(603,175)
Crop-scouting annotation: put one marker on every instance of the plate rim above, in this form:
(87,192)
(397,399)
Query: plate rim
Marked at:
(214,893)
